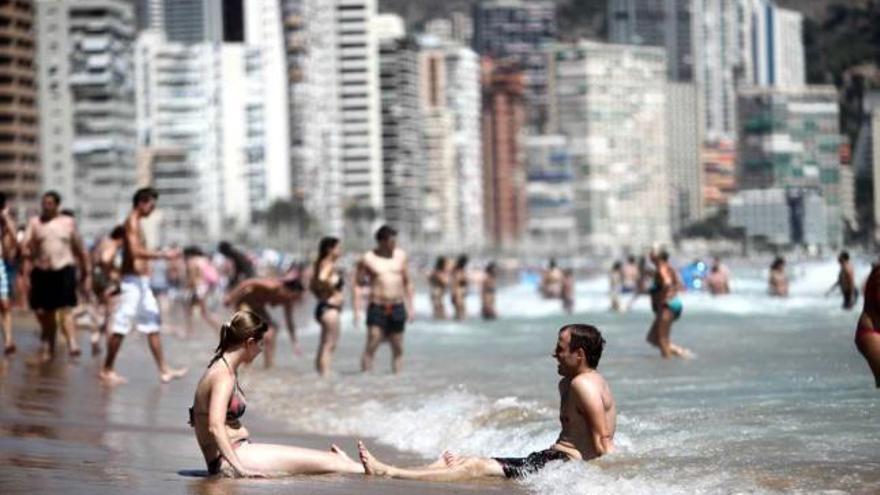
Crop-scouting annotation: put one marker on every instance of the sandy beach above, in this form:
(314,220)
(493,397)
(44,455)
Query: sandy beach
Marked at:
(61,431)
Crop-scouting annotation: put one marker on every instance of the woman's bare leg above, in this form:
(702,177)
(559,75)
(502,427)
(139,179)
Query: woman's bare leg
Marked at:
(329,337)
(664,328)
(869,345)
(462,469)
(285,460)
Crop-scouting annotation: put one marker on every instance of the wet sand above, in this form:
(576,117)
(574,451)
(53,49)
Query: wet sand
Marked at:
(61,431)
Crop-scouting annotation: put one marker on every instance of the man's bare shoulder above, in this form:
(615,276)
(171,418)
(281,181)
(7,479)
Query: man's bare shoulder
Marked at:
(589,384)
(400,254)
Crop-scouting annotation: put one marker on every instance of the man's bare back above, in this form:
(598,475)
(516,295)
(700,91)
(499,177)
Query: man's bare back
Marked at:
(584,400)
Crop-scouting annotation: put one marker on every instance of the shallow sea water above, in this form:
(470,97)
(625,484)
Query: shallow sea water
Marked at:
(776,399)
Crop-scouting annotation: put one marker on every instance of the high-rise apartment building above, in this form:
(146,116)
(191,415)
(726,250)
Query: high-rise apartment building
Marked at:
(193,21)
(402,141)
(440,208)
(684,138)
(87,111)
(463,99)
(359,107)
(19,149)
(666,23)
(521,32)
(721,64)
(268,153)
(179,126)
(504,176)
(550,196)
(790,140)
(615,120)
(314,82)
(774,47)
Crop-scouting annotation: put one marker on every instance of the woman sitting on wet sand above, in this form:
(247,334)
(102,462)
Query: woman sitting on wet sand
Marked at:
(219,404)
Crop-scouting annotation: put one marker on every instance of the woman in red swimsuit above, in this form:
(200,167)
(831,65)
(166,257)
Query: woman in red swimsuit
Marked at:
(219,405)
(868,331)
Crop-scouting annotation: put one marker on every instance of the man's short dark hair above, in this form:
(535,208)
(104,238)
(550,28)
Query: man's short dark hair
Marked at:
(844,256)
(54,195)
(588,338)
(663,255)
(144,194)
(385,232)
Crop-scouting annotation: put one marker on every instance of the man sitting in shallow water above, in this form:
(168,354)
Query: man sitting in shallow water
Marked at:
(587,414)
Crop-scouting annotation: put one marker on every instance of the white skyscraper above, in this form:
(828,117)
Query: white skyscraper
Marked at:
(178,90)
(269,157)
(463,99)
(360,111)
(86,102)
(402,141)
(440,210)
(774,46)
(314,118)
(615,120)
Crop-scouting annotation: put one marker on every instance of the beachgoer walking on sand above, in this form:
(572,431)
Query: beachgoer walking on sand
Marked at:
(137,304)
(53,250)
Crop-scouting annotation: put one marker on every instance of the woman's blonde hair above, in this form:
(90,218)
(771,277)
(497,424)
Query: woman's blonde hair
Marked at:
(242,326)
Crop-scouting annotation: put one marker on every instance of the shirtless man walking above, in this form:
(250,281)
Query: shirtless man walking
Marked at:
(52,250)
(587,413)
(391,297)
(256,295)
(137,303)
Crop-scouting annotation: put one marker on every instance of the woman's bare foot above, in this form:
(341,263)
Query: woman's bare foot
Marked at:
(451,459)
(371,465)
(111,378)
(172,374)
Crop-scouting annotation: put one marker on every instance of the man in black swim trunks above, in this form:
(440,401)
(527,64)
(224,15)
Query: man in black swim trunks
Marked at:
(391,297)
(587,413)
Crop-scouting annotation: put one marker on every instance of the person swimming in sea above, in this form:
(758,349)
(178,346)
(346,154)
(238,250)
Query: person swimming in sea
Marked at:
(219,405)
(777,282)
(667,306)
